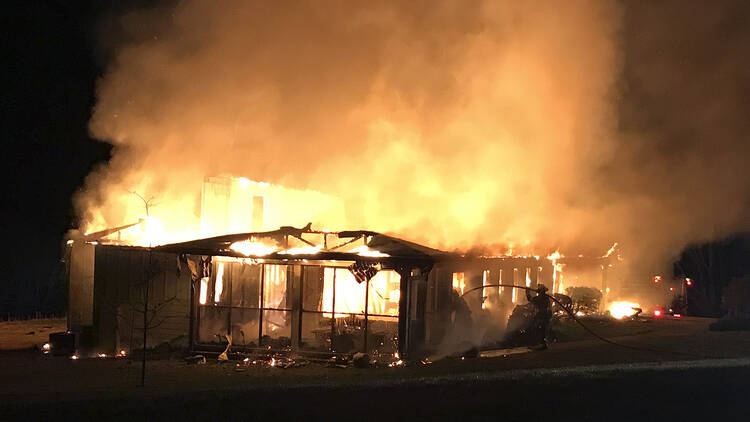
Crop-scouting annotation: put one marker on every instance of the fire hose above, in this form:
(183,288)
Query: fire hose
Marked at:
(589,330)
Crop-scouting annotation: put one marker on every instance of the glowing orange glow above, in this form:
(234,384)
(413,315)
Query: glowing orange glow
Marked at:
(365,251)
(385,293)
(219,285)
(303,250)
(621,310)
(528,277)
(557,284)
(203,291)
(383,297)
(249,248)
(274,291)
(485,281)
(611,250)
(459,283)
(228,205)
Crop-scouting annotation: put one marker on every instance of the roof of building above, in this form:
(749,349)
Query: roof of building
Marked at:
(303,243)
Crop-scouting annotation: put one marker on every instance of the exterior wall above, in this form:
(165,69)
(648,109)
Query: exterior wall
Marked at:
(429,317)
(121,277)
(81,286)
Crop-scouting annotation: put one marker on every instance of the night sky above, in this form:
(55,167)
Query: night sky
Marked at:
(54,51)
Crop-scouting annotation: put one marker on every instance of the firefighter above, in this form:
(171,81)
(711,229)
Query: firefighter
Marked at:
(460,312)
(542,314)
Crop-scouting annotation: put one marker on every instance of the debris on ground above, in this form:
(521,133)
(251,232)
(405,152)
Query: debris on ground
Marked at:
(195,359)
(504,352)
(223,356)
(338,362)
(361,360)
(271,360)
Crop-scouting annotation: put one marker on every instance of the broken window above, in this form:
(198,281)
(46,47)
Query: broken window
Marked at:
(234,301)
(334,316)
(246,285)
(253,302)
(384,294)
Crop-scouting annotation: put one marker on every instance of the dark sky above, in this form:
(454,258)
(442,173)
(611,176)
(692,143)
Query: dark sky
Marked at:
(46,103)
(686,68)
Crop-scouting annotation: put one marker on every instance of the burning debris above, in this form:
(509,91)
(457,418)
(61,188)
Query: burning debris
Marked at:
(275,360)
(621,310)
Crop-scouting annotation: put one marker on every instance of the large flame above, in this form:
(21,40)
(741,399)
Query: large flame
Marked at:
(249,248)
(621,310)
(443,126)
(382,299)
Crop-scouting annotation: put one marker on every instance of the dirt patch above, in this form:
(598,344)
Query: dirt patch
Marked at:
(17,335)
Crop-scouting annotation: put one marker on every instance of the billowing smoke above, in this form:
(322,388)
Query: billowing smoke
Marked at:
(453,123)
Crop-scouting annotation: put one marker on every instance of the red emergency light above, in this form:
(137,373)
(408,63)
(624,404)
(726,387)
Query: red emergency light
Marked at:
(657,278)
(688,282)
(657,313)
(678,315)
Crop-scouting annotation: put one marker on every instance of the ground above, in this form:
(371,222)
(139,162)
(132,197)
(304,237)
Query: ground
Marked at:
(16,335)
(669,369)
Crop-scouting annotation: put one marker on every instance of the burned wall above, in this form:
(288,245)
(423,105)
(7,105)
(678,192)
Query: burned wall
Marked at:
(122,276)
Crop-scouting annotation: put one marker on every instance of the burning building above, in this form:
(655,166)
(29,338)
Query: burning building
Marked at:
(261,287)
(290,289)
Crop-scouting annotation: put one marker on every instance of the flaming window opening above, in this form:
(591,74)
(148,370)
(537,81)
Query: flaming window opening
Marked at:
(219,289)
(501,289)
(459,283)
(485,281)
(203,291)
(528,277)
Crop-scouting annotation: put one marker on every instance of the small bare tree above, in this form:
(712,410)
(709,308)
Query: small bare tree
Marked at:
(147,203)
(141,302)
(143,306)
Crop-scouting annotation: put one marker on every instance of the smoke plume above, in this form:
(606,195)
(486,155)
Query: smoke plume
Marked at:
(452,123)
